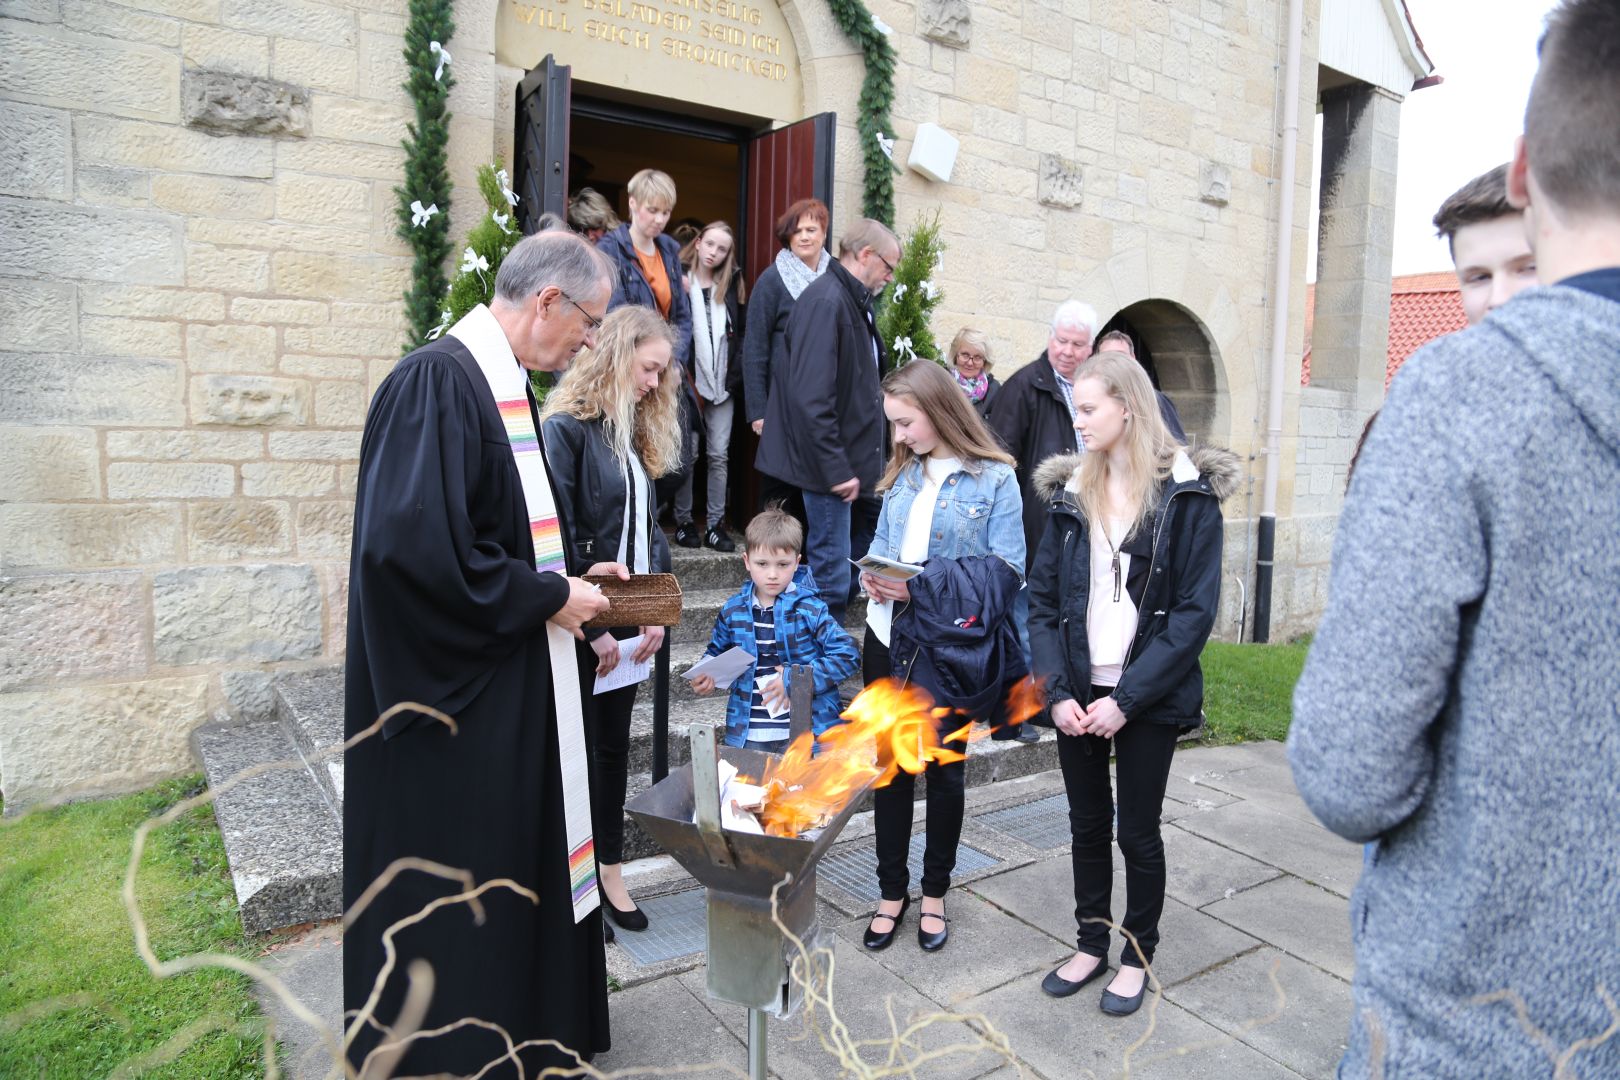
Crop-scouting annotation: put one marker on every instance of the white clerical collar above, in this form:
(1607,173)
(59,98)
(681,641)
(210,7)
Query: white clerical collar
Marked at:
(481,332)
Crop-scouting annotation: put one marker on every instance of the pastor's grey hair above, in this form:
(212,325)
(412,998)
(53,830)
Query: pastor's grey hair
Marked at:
(552,258)
(1075,314)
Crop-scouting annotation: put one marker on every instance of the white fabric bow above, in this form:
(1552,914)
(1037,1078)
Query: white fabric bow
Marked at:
(420,214)
(501,220)
(898,291)
(471,260)
(882,27)
(444,58)
(930,293)
(444,324)
(506,187)
(886,144)
(902,347)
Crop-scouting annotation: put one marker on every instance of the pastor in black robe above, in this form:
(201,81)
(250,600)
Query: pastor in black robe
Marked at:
(446,608)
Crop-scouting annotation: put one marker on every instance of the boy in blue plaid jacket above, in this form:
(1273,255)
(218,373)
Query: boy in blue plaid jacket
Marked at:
(779,617)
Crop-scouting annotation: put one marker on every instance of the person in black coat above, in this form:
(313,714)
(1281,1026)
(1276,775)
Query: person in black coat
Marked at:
(1123,592)
(969,360)
(610,430)
(824,429)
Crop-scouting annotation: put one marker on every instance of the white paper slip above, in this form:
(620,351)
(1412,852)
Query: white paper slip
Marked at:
(889,568)
(772,710)
(724,668)
(626,672)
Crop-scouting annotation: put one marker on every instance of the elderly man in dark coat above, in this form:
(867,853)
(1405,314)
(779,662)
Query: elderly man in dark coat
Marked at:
(824,428)
(460,599)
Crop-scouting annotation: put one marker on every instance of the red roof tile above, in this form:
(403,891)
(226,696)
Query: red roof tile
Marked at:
(1422,307)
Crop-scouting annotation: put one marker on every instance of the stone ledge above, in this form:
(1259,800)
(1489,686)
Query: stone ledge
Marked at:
(309,707)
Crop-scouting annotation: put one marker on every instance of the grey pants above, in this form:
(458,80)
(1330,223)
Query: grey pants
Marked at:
(716,425)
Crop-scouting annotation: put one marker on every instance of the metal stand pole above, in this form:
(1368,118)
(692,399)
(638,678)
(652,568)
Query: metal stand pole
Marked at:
(756,1045)
(660,767)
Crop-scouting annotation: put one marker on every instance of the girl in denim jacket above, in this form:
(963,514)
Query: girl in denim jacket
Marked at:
(949,492)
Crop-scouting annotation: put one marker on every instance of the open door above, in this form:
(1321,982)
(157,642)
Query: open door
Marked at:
(779,168)
(540,174)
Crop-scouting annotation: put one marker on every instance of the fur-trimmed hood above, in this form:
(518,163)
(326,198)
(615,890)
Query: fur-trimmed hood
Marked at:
(1220,466)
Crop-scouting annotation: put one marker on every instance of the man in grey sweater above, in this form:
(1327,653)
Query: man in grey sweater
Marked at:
(1461,704)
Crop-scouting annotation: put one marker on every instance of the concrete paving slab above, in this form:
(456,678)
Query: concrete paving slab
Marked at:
(863,994)
(1311,923)
(1042,894)
(1200,871)
(311,965)
(1071,1038)
(661,1024)
(1233,756)
(1304,1027)
(988,947)
(1297,847)
(1268,785)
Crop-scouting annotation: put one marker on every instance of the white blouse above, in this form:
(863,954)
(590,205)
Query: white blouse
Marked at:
(1110,614)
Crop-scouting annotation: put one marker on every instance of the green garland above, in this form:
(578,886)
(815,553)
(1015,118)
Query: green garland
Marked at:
(872,115)
(426,226)
(905,322)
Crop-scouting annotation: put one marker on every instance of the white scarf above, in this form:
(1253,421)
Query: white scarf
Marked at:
(709,346)
(797,276)
(509,384)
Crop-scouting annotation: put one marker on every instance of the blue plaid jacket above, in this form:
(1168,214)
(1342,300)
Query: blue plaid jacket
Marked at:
(806,633)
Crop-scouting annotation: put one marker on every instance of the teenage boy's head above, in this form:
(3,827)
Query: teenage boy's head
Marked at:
(1488,243)
(771,546)
(1565,174)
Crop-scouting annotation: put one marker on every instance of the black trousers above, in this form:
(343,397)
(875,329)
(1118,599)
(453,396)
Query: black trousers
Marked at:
(892,807)
(612,754)
(1143,752)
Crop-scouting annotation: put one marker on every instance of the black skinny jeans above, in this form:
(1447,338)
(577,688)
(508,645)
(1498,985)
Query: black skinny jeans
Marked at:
(893,803)
(612,753)
(1143,752)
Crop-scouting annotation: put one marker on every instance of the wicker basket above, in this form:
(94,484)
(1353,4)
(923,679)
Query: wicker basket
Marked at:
(644,600)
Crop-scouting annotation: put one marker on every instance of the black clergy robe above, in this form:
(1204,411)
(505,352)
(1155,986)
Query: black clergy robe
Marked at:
(446,608)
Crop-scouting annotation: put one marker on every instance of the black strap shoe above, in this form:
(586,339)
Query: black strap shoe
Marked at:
(1115,1005)
(933,942)
(1057,986)
(882,939)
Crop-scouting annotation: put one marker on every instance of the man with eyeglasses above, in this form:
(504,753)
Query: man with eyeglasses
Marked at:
(824,428)
(461,599)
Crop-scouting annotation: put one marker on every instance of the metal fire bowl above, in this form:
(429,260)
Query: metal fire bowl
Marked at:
(748,956)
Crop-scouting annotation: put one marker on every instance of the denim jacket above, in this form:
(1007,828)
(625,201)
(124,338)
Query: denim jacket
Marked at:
(977,514)
(806,633)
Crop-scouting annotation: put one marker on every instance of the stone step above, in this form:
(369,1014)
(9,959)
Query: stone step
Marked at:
(282,837)
(705,568)
(309,707)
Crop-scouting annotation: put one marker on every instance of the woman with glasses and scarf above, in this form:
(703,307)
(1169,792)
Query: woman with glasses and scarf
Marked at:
(969,361)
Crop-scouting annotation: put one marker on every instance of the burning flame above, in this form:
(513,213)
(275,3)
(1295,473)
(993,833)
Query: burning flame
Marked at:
(889,727)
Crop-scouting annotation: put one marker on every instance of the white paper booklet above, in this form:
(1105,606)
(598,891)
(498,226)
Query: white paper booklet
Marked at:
(625,672)
(889,568)
(724,668)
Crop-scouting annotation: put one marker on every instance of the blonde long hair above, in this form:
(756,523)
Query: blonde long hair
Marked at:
(956,425)
(727,268)
(600,385)
(1150,448)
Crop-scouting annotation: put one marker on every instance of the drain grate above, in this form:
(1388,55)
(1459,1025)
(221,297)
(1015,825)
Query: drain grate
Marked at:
(1042,824)
(855,870)
(677,925)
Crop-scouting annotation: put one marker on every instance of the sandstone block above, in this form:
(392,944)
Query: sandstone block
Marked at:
(325,529)
(382,63)
(92,740)
(223,103)
(322,367)
(342,159)
(100,185)
(213,196)
(301,312)
(40,535)
(37,142)
(40,11)
(278,236)
(38,314)
(185,445)
(197,11)
(325,23)
(250,695)
(340,404)
(59,66)
(169,148)
(48,464)
(319,67)
(237,529)
(355,340)
(70,389)
(991,82)
(289,479)
(119,22)
(72,242)
(323,200)
(230,270)
(315,445)
(146,302)
(216,49)
(248,400)
(230,348)
(219,614)
(354,120)
(113,336)
(387,316)
(170,480)
(71,625)
(335,597)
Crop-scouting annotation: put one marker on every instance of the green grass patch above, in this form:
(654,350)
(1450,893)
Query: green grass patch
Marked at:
(1249,690)
(75,998)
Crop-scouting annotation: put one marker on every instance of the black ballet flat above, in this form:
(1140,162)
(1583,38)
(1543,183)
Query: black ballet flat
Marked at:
(935,941)
(634,919)
(876,940)
(1115,1005)
(1059,987)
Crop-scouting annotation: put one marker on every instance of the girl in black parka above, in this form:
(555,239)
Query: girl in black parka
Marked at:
(1123,590)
